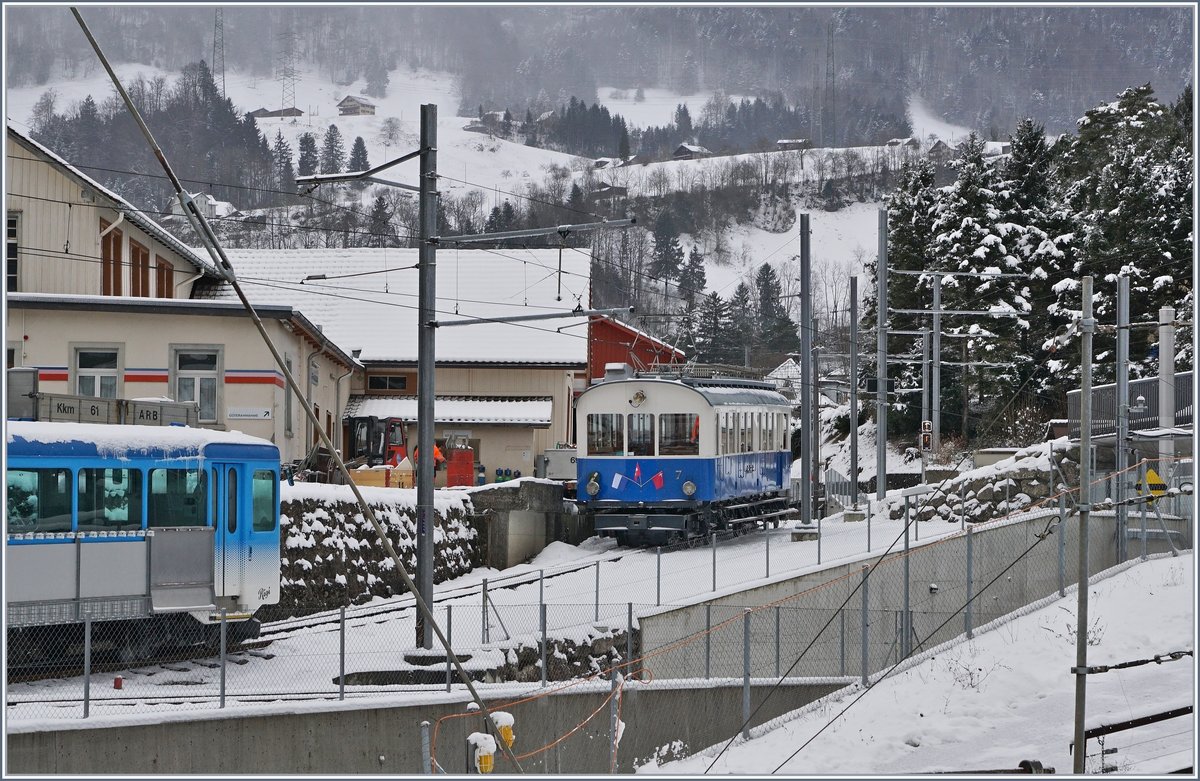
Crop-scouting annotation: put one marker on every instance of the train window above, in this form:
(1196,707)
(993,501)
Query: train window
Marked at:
(177,498)
(39,500)
(110,499)
(641,434)
(263,504)
(679,435)
(605,434)
(747,438)
(231,501)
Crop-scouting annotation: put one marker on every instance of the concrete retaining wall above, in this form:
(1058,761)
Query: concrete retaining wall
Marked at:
(779,634)
(351,741)
(524,516)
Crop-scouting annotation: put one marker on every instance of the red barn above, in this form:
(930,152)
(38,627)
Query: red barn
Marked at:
(611,341)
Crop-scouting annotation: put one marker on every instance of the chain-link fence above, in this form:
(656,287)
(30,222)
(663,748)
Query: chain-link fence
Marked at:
(755,606)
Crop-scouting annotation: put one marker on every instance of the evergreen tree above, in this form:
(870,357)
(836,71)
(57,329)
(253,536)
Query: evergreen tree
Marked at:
(281,156)
(377,76)
(668,254)
(692,278)
(743,334)
(971,237)
(688,78)
(623,141)
(307,164)
(333,152)
(777,330)
(358,156)
(683,122)
(380,225)
(715,339)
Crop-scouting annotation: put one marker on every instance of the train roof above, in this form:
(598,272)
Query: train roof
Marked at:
(716,391)
(30,438)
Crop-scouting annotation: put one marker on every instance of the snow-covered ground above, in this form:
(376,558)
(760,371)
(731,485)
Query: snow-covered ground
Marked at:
(926,123)
(1005,696)
(657,108)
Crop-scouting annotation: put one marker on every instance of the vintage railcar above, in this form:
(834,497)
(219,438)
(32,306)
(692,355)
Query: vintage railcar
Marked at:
(663,459)
(148,531)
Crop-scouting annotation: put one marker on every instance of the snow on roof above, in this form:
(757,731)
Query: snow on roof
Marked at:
(788,370)
(132,213)
(536,412)
(115,439)
(356,99)
(693,148)
(367,299)
(638,333)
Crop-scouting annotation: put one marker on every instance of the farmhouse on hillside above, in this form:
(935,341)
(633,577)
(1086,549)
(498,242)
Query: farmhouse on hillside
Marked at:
(788,144)
(690,152)
(355,105)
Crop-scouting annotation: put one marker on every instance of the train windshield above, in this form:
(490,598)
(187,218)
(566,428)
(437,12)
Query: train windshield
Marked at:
(641,434)
(679,435)
(605,435)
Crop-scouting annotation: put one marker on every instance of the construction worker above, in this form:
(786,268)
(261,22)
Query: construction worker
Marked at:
(439,460)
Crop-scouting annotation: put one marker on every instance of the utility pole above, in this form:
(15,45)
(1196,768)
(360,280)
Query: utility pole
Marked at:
(854,391)
(1087,326)
(881,322)
(1122,413)
(815,439)
(925,375)
(426,288)
(1166,384)
(935,410)
(806,371)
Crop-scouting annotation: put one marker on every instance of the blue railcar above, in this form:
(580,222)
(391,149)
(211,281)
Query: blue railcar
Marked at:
(128,525)
(662,459)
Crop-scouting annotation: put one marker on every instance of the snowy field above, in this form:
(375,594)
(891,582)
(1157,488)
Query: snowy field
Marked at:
(1005,696)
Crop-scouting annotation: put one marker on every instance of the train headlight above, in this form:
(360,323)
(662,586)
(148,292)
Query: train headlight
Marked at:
(689,488)
(593,484)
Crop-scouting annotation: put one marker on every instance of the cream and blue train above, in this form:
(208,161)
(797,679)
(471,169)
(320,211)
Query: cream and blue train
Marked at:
(665,459)
(148,531)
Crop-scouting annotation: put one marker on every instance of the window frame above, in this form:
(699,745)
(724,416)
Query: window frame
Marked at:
(68,495)
(689,446)
(389,381)
(139,269)
(164,277)
(629,439)
(218,375)
(135,482)
(74,372)
(110,259)
(12,252)
(615,434)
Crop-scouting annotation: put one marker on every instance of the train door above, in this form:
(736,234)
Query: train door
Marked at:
(231,522)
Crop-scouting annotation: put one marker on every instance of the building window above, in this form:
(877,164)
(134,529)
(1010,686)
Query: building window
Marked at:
(110,260)
(139,275)
(164,278)
(385,382)
(198,378)
(10,356)
(96,372)
(10,250)
(316,435)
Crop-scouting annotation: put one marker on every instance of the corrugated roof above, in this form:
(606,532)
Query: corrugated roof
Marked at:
(536,412)
(132,213)
(368,300)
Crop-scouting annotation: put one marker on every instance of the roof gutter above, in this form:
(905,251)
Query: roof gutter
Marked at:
(120,219)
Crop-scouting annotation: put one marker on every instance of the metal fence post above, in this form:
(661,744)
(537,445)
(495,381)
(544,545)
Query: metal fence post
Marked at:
(596,617)
(449,642)
(746,674)
(777,621)
(970,580)
(612,721)
(224,637)
(714,560)
(1145,482)
(767,534)
(342,653)
(426,756)
(962,493)
(818,539)
(545,642)
(865,624)
(707,638)
(87,666)
(658,575)
(842,643)
(629,638)
(904,615)
(1062,545)
(483,620)
(541,586)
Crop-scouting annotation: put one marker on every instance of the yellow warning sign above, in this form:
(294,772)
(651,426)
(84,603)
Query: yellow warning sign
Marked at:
(1154,483)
